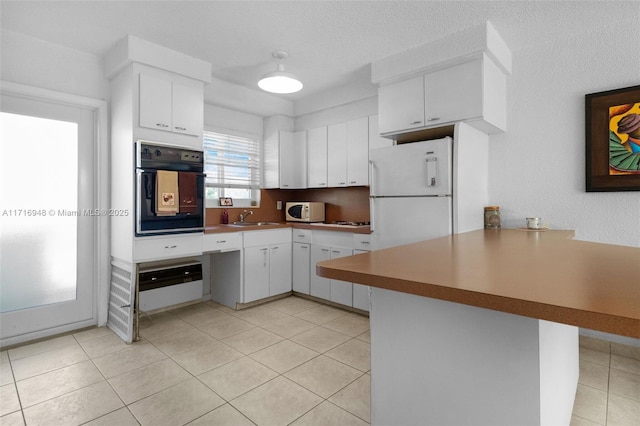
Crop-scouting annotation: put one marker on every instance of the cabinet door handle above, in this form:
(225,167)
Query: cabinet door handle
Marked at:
(416,122)
(170,247)
(284,185)
(335,251)
(325,250)
(304,247)
(301,235)
(364,242)
(433,119)
(275,248)
(221,241)
(321,184)
(353,181)
(180,128)
(162,125)
(342,183)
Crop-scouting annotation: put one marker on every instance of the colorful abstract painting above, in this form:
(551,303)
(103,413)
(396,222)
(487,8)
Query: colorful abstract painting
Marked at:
(624,139)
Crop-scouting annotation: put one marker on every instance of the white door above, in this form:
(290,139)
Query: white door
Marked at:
(412,169)
(155,103)
(341,291)
(279,268)
(317,157)
(358,152)
(319,286)
(401,105)
(47,243)
(187,108)
(286,161)
(361,292)
(301,266)
(337,154)
(256,273)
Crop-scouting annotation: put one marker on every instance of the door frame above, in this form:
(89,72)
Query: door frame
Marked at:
(102,264)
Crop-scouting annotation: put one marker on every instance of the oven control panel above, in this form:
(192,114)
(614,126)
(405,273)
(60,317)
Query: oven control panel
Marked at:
(166,157)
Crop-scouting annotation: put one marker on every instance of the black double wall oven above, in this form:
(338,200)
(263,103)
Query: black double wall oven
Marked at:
(169,189)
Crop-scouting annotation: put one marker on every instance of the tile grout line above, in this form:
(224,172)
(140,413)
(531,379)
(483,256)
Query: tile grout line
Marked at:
(124,405)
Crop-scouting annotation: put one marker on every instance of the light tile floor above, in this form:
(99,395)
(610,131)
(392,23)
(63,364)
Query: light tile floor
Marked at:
(609,384)
(291,361)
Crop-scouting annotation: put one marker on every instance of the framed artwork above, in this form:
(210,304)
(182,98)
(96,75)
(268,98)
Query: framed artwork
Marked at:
(613,140)
(226,201)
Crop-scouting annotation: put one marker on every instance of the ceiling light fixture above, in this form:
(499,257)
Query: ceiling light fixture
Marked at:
(280,81)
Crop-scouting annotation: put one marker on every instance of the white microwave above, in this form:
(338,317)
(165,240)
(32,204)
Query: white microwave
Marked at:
(304,211)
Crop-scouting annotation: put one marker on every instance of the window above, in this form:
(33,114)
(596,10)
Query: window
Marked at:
(232,166)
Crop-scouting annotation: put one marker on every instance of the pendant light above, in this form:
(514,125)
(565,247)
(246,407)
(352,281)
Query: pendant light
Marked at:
(280,81)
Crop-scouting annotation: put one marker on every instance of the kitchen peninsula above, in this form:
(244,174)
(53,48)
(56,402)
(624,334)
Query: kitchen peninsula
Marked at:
(482,327)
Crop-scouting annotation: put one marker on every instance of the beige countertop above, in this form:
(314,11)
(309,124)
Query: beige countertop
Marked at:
(544,275)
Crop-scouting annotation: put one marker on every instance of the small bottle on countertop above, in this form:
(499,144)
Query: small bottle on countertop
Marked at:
(492,217)
(225,217)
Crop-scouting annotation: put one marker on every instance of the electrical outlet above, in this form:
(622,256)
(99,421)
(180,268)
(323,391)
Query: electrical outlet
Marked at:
(279,205)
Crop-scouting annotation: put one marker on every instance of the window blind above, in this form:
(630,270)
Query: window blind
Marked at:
(231,161)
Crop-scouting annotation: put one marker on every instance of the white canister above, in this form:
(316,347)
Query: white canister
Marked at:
(534,223)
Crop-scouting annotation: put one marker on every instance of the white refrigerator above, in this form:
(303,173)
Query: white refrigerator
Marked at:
(411,192)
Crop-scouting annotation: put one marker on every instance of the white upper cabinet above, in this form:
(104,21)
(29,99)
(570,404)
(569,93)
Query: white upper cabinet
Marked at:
(337,154)
(358,152)
(317,157)
(293,160)
(348,153)
(188,108)
(171,105)
(329,156)
(155,102)
(401,106)
(445,102)
(474,92)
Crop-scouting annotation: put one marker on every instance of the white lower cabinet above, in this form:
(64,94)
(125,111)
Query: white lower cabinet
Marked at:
(279,268)
(341,291)
(301,265)
(147,249)
(332,245)
(267,263)
(361,294)
(320,287)
(256,273)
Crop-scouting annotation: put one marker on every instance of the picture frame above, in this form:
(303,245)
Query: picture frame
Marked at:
(612,132)
(226,201)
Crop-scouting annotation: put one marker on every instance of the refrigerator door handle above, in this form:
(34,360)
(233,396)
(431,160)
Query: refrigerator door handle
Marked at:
(432,170)
(372,218)
(372,173)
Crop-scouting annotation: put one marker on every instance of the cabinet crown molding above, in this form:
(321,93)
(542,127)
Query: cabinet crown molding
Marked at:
(133,49)
(450,50)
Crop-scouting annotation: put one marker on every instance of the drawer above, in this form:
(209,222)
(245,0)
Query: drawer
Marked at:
(301,235)
(333,238)
(166,247)
(362,241)
(222,242)
(266,237)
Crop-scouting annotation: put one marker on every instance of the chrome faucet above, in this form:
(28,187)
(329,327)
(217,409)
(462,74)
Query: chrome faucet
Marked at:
(245,214)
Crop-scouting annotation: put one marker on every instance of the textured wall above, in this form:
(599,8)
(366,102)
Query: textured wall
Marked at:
(538,166)
(39,63)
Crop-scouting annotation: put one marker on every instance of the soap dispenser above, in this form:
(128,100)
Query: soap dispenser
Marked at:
(225,217)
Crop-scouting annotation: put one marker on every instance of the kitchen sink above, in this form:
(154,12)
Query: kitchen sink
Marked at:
(254,223)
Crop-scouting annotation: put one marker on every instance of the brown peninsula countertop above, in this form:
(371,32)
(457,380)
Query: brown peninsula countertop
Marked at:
(544,275)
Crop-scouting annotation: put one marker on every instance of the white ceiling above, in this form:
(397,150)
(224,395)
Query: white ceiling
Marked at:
(331,43)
